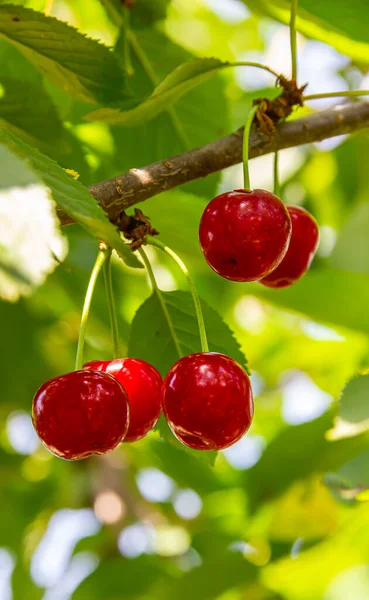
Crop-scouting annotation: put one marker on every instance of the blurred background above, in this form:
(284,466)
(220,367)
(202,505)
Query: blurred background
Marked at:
(283,513)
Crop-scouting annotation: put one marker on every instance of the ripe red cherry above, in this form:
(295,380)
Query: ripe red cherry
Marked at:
(80,414)
(244,235)
(303,245)
(207,401)
(142,383)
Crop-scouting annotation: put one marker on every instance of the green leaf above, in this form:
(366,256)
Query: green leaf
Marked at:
(179,82)
(185,467)
(29,237)
(120,578)
(22,347)
(151,340)
(171,208)
(353,413)
(326,565)
(144,13)
(70,195)
(212,579)
(82,67)
(299,452)
(351,252)
(200,116)
(25,115)
(327,295)
(339,23)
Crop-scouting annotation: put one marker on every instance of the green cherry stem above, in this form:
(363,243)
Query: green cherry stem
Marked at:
(245,147)
(293,38)
(257,65)
(195,296)
(111,306)
(164,307)
(347,94)
(126,46)
(101,258)
(277,186)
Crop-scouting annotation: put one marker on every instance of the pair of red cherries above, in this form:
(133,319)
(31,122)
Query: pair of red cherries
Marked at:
(206,399)
(252,236)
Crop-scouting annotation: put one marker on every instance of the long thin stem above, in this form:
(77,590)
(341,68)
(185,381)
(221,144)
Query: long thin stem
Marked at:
(293,38)
(146,65)
(347,94)
(111,306)
(101,258)
(277,186)
(126,46)
(257,65)
(195,296)
(245,147)
(164,308)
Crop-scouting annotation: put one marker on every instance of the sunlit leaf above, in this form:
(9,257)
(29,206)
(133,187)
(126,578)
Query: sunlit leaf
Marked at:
(351,252)
(298,452)
(304,578)
(353,413)
(70,195)
(30,240)
(327,295)
(80,66)
(334,22)
(179,82)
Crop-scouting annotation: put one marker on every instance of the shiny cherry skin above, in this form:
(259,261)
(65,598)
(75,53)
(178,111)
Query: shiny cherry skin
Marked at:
(207,401)
(301,251)
(142,383)
(80,414)
(244,235)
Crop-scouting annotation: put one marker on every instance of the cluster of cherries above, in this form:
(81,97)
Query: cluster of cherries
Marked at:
(205,397)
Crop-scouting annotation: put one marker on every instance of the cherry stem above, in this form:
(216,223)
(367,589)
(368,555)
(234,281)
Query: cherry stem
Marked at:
(127,63)
(348,94)
(257,65)
(111,306)
(195,296)
(245,147)
(277,186)
(159,294)
(293,38)
(101,258)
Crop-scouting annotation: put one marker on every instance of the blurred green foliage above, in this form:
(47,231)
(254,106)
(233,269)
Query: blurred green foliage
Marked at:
(283,514)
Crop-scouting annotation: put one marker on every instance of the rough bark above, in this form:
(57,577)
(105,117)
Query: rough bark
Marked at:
(117,194)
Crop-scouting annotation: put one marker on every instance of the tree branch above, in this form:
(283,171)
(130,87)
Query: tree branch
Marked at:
(119,193)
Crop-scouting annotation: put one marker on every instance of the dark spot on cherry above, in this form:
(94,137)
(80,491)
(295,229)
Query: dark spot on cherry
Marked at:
(244,234)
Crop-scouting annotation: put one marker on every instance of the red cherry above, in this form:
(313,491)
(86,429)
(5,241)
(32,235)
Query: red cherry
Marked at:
(80,414)
(207,401)
(244,235)
(303,245)
(142,383)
